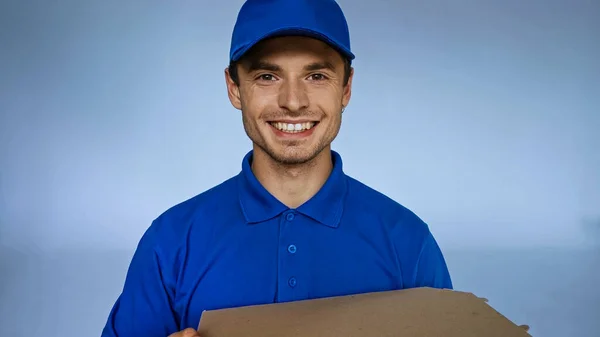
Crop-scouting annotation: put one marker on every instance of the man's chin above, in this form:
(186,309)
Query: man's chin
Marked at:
(293,156)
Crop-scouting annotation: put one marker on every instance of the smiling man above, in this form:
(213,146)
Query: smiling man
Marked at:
(291,225)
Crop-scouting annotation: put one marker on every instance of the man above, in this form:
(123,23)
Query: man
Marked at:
(291,226)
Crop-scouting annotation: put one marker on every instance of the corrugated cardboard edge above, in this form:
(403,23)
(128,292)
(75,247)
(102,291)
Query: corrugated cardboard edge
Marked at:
(470,294)
(524,326)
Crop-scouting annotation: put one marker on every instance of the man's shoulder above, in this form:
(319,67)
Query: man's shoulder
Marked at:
(369,200)
(177,219)
(408,233)
(205,200)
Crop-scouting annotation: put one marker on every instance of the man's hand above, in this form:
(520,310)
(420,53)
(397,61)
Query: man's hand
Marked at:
(189,332)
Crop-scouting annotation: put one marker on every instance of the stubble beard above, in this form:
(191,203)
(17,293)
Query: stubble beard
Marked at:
(289,156)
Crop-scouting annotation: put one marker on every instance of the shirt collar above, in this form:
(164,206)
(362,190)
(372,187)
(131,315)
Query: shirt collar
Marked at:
(326,206)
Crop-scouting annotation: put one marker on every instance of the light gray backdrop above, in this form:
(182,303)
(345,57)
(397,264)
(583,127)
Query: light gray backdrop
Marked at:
(481,116)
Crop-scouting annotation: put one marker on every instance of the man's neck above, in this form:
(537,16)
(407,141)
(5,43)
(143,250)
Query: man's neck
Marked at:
(292,185)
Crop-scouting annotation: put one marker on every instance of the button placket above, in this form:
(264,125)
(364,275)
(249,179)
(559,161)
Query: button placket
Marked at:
(288,259)
(291,248)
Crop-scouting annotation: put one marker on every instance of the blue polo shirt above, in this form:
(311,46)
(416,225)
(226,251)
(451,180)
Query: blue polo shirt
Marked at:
(236,245)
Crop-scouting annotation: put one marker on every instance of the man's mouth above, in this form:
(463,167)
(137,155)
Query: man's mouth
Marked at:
(293,127)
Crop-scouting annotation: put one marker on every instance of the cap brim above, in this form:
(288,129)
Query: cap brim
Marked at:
(294,31)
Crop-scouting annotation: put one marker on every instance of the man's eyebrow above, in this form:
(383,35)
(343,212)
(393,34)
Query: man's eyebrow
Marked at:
(320,66)
(262,65)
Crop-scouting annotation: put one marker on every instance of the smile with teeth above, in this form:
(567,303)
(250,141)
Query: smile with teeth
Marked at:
(293,128)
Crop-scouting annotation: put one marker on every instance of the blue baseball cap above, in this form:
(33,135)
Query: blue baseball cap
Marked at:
(261,19)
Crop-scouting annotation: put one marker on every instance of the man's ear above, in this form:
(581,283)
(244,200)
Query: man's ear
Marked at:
(348,89)
(233,91)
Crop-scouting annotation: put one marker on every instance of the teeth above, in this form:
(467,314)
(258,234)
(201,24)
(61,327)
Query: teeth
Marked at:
(293,128)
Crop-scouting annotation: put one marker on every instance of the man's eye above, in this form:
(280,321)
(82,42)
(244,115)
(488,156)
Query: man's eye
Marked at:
(317,77)
(266,77)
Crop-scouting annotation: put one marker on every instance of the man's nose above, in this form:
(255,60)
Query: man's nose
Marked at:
(293,95)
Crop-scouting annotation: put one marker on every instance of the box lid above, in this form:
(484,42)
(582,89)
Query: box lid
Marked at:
(423,312)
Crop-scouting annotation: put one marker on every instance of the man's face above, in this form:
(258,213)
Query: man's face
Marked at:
(291,93)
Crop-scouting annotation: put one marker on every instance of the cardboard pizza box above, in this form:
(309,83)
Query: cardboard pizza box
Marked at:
(417,312)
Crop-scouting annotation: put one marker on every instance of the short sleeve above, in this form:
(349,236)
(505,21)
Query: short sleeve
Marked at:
(432,270)
(144,307)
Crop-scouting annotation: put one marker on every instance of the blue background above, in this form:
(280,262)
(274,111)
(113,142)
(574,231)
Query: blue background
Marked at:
(482,117)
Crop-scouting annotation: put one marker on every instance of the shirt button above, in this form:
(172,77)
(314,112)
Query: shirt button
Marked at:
(292,249)
(292,282)
(290,216)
